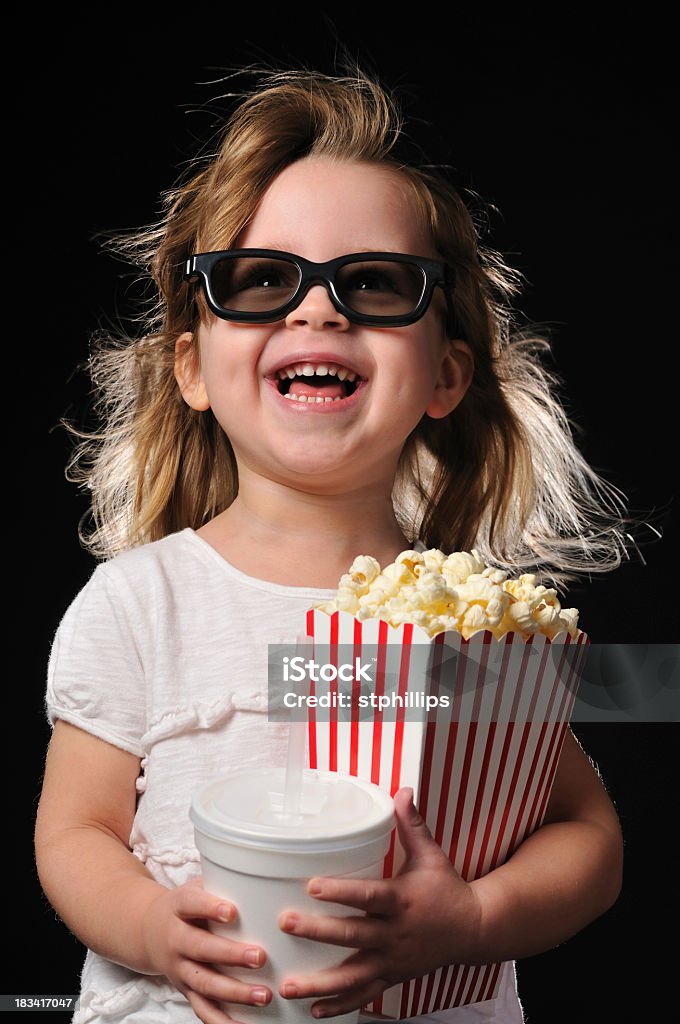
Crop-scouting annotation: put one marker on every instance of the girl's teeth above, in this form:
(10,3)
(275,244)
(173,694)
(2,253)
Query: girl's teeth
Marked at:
(310,369)
(311,398)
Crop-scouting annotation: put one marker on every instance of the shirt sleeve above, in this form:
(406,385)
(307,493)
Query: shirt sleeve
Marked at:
(95,676)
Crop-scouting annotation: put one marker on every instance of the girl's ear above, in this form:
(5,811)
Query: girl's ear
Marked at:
(455,375)
(188,373)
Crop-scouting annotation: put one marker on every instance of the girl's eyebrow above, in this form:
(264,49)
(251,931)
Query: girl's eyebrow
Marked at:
(281,247)
(271,244)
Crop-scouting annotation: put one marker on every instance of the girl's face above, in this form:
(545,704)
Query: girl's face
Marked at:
(386,379)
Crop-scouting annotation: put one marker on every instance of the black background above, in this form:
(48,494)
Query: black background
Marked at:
(565,127)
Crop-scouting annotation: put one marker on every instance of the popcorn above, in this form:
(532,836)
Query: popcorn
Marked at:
(462,564)
(398,572)
(451,592)
(495,575)
(347,600)
(364,569)
(474,619)
(434,559)
(569,617)
(411,559)
(431,588)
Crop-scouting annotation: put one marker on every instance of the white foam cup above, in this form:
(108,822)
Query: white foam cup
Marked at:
(260,858)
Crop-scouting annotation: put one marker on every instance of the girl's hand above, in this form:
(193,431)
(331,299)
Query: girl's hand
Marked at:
(180,947)
(424,918)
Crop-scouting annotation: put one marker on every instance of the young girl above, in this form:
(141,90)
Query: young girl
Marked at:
(328,371)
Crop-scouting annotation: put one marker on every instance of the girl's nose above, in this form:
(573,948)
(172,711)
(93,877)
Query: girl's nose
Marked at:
(316,310)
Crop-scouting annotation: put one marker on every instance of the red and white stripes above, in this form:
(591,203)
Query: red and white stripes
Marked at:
(481,769)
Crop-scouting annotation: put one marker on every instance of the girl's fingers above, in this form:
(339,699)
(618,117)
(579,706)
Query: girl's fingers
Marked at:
(212,985)
(375,896)
(207,1011)
(204,947)
(193,901)
(355,975)
(353,999)
(353,932)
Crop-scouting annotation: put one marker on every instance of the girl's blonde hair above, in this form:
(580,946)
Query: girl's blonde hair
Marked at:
(501,473)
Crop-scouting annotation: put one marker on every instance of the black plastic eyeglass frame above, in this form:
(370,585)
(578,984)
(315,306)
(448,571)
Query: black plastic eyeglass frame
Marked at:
(435,275)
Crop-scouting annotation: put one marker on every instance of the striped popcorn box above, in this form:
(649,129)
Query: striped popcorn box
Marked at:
(474,726)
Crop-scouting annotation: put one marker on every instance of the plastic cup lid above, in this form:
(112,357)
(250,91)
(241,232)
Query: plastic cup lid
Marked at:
(335,811)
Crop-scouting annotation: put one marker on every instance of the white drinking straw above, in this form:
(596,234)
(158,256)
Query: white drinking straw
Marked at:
(297,738)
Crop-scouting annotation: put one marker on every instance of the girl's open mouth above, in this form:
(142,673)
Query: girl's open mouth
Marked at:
(319,383)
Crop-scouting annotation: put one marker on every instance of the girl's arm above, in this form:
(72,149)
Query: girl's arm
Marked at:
(106,896)
(563,876)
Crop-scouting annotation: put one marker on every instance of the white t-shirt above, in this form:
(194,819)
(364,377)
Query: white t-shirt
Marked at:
(164,654)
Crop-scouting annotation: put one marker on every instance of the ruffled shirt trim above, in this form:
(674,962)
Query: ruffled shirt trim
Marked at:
(144,998)
(202,716)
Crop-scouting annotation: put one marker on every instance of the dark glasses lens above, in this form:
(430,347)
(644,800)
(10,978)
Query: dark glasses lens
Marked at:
(264,284)
(380,287)
(253,284)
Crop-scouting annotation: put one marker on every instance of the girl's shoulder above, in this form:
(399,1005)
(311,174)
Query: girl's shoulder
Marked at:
(138,570)
(138,575)
(170,554)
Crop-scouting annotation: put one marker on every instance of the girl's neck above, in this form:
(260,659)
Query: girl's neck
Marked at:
(276,533)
